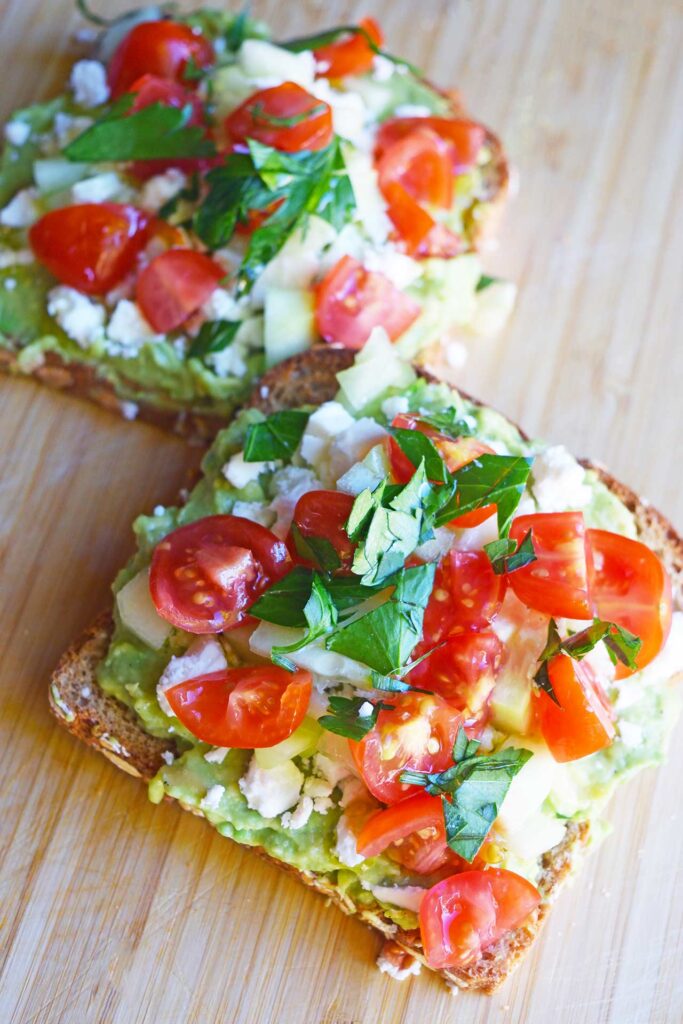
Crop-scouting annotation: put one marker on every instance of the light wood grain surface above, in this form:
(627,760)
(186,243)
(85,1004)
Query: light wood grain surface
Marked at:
(116,912)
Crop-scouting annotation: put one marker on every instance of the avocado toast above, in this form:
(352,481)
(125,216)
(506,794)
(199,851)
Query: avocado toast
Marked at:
(559,820)
(169,228)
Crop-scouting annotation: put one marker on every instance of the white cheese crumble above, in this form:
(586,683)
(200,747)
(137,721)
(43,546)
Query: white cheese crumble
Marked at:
(352,789)
(22,210)
(240,473)
(77,315)
(167,756)
(221,305)
(352,444)
(14,258)
(328,768)
(128,330)
(365,710)
(559,481)
(411,966)
(409,897)
(66,127)
(271,791)
(98,189)
(17,132)
(213,797)
(89,83)
(203,656)
(327,422)
(256,511)
(401,270)
(216,755)
(299,816)
(268,65)
(345,848)
(161,188)
(290,484)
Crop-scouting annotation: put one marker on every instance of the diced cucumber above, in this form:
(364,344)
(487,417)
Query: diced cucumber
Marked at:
(302,741)
(511,703)
(378,366)
(56,175)
(289,323)
(138,612)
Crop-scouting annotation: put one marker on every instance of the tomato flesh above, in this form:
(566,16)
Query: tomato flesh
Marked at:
(417,733)
(467,912)
(352,56)
(630,586)
(411,832)
(463,671)
(465,138)
(151,89)
(265,116)
(162,48)
(242,707)
(421,163)
(418,232)
(584,721)
(351,301)
(322,515)
(467,594)
(557,582)
(206,574)
(174,285)
(90,246)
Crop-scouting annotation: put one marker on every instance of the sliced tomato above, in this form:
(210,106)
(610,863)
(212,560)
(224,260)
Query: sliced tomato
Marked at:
(285,117)
(630,586)
(421,163)
(420,235)
(90,246)
(465,913)
(206,574)
(463,671)
(174,285)
(418,733)
(456,453)
(351,301)
(411,832)
(584,720)
(242,707)
(162,48)
(352,55)
(151,89)
(557,582)
(321,515)
(465,138)
(467,595)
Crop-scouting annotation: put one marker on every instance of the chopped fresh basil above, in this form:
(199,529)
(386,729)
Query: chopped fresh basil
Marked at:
(384,637)
(418,447)
(320,614)
(485,281)
(552,647)
(284,601)
(487,480)
(156,132)
(344,717)
(318,550)
(505,556)
(214,336)
(277,437)
(447,422)
(321,39)
(260,114)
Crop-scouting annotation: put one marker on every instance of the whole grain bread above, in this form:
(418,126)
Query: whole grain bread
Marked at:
(104,723)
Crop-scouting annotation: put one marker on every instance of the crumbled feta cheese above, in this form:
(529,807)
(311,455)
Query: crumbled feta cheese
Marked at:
(401,270)
(128,330)
(630,733)
(352,444)
(77,315)
(221,305)
(97,189)
(271,791)
(559,481)
(22,210)
(17,132)
(240,473)
(89,83)
(365,710)
(129,410)
(216,755)
(345,848)
(67,128)
(203,656)
(352,789)
(316,787)
(14,258)
(329,420)
(290,484)
(333,771)
(268,65)
(407,896)
(349,113)
(167,756)
(394,406)
(400,971)
(161,188)
(382,68)
(371,207)
(412,110)
(256,511)
(229,362)
(299,816)
(212,799)
(474,538)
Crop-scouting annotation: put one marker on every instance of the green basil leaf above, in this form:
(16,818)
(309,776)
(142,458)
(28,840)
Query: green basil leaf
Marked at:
(485,281)
(277,437)
(552,647)
(318,550)
(447,422)
(344,718)
(214,336)
(284,601)
(505,556)
(489,479)
(621,645)
(417,447)
(320,614)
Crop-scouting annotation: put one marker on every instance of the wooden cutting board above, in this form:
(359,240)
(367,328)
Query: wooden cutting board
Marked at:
(114,911)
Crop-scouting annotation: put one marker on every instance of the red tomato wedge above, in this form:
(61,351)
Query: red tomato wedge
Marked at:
(630,586)
(467,594)
(351,301)
(285,117)
(456,453)
(557,582)
(412,832)
(90,246)
(151,89)
(321,515)
(242,707)
(205,575)
(418,733)
(161,48)
(352,55)
(463,672)
(584,721)
(465,913)
(464,137)
(416,229)
(421,163)
(174,285)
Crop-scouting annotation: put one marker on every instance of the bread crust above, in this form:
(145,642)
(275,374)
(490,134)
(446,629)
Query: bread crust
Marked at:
(106,724)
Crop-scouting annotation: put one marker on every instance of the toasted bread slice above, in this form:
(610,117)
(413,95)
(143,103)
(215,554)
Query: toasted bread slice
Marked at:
(104,723)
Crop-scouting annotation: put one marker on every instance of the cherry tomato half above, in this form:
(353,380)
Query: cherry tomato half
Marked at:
(161,48)
(465,913)
(421,163)
(174,285)
(285,117)
(464,137)
(463,671)
(206,574)
(467,594)
(90,246)
(242,707)
(584,720)
(411,832)
(418,733)
(630,586)
(557,582)
(351,301)
(350,56)
(321,515)
(416,230)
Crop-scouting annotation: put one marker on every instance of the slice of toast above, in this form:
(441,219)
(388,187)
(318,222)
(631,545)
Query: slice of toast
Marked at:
(104,723)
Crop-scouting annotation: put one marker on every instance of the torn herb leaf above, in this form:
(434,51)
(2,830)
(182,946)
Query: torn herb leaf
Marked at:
(213,336)
(488,480)
(320,614)
(505,556)
(345,718)
(277,437)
